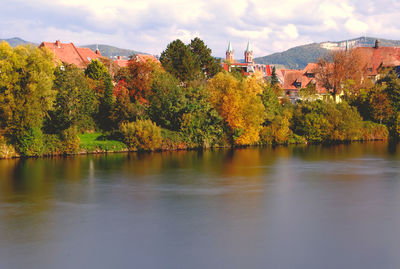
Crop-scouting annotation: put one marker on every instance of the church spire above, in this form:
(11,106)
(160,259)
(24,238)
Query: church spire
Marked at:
(230,53)
(248,49)
(248,54)
(230,49)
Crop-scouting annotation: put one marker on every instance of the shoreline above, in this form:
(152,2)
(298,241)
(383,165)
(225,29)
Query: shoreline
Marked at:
(102,152)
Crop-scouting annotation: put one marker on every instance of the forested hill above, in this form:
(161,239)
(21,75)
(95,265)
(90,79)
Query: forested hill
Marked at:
(295,58)
(298,57)
(111,51)
(15,41)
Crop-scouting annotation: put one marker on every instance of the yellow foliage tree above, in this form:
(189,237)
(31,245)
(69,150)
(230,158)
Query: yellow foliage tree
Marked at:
(239,103)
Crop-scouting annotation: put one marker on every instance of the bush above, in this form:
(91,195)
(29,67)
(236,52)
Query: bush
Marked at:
(31,143)
(141,135)
(6,150)
(374,131)
(70,140)
(52,144)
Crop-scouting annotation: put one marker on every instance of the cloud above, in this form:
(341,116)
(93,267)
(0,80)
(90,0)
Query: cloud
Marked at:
(150,25)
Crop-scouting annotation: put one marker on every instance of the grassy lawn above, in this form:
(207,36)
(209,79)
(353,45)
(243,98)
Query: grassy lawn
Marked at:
(96,141)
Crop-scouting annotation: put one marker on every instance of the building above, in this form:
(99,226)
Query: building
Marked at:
(137,57)
(70,54)
(377,58)
(295,80)
(248,67)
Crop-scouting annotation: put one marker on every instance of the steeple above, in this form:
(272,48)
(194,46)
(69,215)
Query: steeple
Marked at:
(230,49)
(230,53)
(248,49)
(248,54)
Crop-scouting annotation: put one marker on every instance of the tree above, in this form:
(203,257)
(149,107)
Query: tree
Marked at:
(179,60)
(100,81)
(138,78)
(381,109)
(340,67)
(392,84)
(167,102)
(208,64)
(75,103)
(201,124)
(271,102)
(26,94)
(240,105)
(274,77)
(124,110)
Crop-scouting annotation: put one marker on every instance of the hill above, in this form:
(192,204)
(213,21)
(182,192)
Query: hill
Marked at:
(15,41)
(111,51)
(298,57)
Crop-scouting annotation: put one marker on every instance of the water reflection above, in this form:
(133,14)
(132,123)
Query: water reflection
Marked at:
(276,207)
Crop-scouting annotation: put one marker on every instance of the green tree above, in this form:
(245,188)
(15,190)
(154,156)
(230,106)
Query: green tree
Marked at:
(26,94)
(101,82)
(274,77)
(75,103)
(201,124)
(179,60)
(210,65)
(167,102)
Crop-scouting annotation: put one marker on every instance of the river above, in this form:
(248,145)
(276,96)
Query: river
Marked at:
(285,207)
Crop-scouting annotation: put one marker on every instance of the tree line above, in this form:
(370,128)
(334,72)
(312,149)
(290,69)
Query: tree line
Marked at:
(187,101)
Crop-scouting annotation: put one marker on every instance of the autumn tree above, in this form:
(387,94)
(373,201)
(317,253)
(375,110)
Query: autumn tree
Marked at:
(240,105)
(341,66)
(138,79)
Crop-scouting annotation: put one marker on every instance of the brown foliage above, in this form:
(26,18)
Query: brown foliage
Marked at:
(342,66)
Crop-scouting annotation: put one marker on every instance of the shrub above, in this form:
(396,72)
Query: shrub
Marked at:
(141,135)
(6,150)
(70,140)
(31,143)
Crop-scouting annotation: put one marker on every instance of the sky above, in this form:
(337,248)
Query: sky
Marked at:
(149,25)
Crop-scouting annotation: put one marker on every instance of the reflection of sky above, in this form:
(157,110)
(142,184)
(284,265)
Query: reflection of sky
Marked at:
(149,26)
(287,207)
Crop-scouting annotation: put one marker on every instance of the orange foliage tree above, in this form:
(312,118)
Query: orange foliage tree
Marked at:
(239,103)
(340,68)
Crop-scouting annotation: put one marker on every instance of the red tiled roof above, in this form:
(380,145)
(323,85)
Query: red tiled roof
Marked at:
(70,54)
(121,62)
(290,77)
(379,57)
(146,58)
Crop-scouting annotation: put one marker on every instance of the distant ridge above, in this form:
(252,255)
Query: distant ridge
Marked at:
(15,41)
(298,57)
(111,51)
(105,50)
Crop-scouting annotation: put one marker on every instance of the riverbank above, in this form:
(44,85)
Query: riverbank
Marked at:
(98,143)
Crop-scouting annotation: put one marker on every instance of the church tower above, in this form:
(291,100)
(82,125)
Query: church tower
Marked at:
(230,53)
(248,54)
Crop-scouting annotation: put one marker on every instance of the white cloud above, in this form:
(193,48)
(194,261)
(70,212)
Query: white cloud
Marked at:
(150,25)
(355,26)
(291,31)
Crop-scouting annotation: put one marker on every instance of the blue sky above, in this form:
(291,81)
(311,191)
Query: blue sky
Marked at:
(271,26)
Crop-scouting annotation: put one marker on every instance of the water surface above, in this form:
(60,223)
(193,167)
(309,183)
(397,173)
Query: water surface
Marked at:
(285,207)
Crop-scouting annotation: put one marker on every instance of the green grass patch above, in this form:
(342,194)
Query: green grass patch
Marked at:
(98,141)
